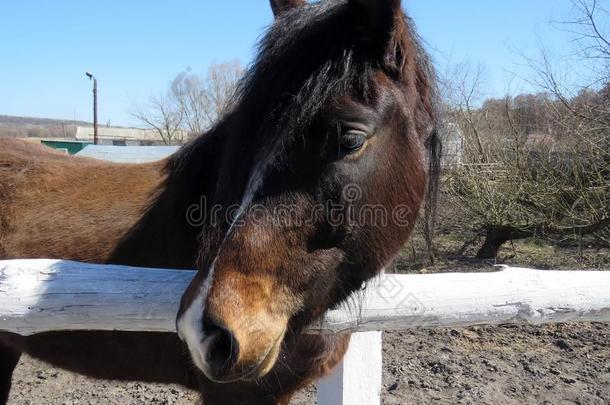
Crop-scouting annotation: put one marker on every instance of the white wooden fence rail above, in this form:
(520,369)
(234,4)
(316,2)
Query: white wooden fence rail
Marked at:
(50,295)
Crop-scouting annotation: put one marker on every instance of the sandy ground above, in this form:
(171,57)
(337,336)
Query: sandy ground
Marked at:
(558,364)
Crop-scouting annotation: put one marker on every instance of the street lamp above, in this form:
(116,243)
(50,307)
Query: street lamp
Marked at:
(91,77)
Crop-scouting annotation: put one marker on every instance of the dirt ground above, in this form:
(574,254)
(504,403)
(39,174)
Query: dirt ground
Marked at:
(553,364)
(559,364)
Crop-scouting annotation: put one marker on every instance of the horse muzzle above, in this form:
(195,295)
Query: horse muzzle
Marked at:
(223,362)
(244,352)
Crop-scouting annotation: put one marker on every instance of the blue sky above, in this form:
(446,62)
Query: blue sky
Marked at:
(136,47)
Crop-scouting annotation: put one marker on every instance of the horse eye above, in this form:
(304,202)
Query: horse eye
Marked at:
(352,140)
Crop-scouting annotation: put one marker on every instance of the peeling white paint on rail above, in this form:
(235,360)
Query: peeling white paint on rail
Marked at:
(512,295)
(50,295)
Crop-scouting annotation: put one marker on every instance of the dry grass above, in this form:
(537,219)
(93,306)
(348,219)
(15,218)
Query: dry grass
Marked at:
(455,254)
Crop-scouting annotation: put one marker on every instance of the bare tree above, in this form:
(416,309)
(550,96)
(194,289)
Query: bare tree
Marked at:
(461,87)
(188,92)
(222,83)
(163,116)
(204,100)
(192,103)
(546,171)
(592,30)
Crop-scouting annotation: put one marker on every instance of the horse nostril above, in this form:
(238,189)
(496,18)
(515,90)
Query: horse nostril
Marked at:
(221,347)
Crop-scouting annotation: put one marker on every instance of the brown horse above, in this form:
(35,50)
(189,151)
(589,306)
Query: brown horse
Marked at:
(336,115)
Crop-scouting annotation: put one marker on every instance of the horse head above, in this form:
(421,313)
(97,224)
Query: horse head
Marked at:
(320,168)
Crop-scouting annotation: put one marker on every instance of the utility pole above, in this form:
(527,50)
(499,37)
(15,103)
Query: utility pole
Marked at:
(91,77)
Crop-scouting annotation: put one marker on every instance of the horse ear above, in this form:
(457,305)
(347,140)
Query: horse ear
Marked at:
(279,6)
(376,17)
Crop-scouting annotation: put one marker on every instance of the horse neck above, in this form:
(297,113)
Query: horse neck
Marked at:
(159,239)
(164,236)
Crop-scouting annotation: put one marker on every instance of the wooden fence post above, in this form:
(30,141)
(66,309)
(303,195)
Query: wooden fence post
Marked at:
(357,379)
